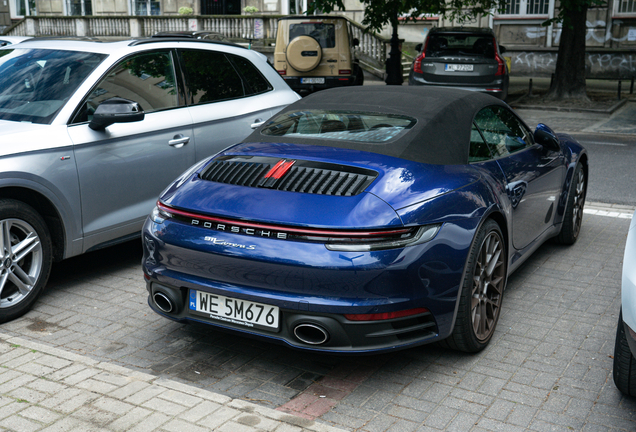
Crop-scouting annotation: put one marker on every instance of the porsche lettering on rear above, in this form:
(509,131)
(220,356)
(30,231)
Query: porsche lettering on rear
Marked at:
(240,230)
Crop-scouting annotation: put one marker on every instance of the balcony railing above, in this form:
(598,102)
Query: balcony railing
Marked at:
(372,50)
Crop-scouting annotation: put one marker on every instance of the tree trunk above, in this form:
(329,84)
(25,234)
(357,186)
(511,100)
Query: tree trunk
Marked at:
(569,79)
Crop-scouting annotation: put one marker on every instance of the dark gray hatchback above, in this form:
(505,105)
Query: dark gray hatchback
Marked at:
(466,57)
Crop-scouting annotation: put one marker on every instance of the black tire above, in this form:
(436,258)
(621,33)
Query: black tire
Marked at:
(359,76)
(573,217)
(481,291)
(624,362)
(26,258)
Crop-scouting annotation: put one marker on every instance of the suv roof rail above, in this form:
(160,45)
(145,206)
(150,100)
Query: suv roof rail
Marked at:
(177,38)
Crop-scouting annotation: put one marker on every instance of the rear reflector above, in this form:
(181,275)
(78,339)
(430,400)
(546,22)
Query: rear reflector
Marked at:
(385,315)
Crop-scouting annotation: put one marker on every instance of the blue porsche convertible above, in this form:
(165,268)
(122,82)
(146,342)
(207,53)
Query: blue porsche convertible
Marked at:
(365,219)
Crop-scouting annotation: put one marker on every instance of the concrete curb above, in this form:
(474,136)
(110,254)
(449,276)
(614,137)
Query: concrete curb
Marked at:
(114,391)
(608,111)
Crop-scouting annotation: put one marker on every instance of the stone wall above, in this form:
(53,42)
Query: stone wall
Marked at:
(598,64)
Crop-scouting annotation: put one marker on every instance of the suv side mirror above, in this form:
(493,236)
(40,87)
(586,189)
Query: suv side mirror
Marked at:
(116,110)
(545,136)
(355,42)
(418,47)
(502,49)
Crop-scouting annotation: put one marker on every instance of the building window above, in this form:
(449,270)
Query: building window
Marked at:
(146,7)
(23,5)
(528,7)
(79,7)
(625,6)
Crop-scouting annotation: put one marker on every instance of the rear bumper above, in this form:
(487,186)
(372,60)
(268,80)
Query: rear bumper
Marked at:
(497,88)
(314,287)
(330,82)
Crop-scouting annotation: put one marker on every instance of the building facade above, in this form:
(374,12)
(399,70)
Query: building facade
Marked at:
(531,47)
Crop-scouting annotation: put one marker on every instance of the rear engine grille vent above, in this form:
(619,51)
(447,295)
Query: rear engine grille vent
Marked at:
(290,175)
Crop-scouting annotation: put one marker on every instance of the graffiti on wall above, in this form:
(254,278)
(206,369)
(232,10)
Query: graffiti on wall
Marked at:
(597,65)
(593,28)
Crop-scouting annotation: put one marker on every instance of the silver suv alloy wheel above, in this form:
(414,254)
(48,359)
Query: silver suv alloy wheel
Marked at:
(25,257)
(20,261)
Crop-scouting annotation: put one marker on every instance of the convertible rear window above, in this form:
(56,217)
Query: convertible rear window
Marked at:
(368,127)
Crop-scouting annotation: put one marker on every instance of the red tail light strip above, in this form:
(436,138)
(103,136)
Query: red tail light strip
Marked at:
(385,315)
(280,228)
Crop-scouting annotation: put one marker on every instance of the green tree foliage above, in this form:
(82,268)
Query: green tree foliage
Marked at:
(379,13)
(569,79)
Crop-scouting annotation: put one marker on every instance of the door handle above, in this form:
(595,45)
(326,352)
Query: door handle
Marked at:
(179,141)
(258,123)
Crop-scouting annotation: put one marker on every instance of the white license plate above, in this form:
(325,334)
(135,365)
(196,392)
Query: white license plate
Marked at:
(459,67)
(235,311)
(312,80)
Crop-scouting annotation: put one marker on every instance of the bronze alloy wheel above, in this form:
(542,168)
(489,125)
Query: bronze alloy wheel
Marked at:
(579,202)
(488,284)
(573,216)
(481,291)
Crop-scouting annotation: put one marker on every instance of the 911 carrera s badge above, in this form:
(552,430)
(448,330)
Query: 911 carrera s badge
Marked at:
(220,242)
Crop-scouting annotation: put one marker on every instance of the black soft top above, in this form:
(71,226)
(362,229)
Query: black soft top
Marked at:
(441,135)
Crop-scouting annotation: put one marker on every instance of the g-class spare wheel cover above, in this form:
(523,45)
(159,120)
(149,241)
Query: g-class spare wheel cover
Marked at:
(303,53)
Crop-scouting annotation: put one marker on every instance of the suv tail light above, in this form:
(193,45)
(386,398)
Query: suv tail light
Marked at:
(344,71)
(282,72)
(501,68)
(417,65)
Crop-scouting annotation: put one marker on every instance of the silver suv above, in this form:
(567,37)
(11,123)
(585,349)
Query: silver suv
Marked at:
(91,133)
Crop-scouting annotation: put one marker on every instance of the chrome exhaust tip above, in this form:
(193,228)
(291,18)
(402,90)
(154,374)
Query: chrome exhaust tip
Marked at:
(311,334)
(163,302)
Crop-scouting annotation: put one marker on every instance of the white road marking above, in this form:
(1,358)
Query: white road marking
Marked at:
(613,214)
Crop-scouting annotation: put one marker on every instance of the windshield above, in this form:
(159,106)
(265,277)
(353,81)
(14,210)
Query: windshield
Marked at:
(36,83)
(474,45)
(374,128)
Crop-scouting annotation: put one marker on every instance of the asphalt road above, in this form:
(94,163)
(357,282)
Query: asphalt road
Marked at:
(612,160)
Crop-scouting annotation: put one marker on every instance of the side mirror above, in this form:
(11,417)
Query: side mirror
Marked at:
(116,110)
(502,49)
(356,42)
(546,137)
(418,47)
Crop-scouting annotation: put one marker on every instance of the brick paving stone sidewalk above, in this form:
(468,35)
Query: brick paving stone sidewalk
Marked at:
(47,389)
(548,367)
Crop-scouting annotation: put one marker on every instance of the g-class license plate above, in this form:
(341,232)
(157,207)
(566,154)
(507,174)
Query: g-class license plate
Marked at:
(459,67)
(233,310)
(312,80)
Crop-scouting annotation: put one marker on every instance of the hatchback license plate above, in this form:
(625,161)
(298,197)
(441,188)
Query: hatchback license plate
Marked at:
(459,67)
(235,311)
(312,80)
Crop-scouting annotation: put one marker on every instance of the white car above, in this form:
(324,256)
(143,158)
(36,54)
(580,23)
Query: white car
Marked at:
(91,133)
(8,40)
(625,347)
